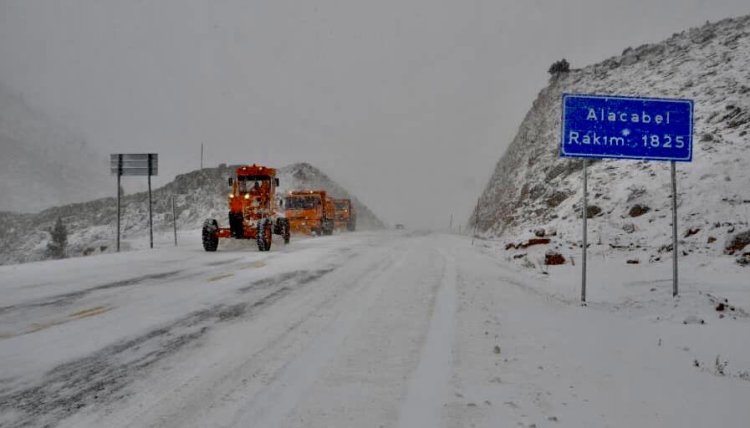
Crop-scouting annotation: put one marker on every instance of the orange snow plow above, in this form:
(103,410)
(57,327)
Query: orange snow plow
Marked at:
(309,212)
(252,210)
(345,217)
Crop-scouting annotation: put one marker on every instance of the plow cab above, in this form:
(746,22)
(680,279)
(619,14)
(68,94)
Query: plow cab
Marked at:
(345,217)
(309,212)
(253,210)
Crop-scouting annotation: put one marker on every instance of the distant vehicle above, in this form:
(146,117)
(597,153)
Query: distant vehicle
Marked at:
(252,210)
(310,212)
(345,218)
(400,226)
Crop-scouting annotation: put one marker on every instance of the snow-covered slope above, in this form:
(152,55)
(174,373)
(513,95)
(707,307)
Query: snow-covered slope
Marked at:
(42,164)
(533,188)
(198,195)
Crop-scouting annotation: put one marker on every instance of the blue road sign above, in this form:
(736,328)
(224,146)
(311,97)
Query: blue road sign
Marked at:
(595,126)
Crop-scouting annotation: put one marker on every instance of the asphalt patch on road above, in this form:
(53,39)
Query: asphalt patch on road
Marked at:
(298,277)
(68,298)
(287,281)
(222,262)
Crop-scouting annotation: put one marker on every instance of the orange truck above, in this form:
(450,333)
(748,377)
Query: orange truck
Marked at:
(253,210)
(310,212)
(345,217)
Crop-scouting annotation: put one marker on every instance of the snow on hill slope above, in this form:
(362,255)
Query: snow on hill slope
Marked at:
(41,163)
(198,195)
(532,188)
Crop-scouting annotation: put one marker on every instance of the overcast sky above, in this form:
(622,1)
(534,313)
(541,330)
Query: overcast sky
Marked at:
(407,103)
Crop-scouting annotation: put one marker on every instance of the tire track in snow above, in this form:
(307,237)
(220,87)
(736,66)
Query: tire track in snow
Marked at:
(429,386)
(277,400)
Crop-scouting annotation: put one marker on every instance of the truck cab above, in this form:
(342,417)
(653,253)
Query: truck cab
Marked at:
(309,212)
(345,217)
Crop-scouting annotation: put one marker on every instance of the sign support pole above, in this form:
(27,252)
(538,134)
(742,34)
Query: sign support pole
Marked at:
(174,221)
(150,217)
(134,164)
(584,214)
(119,194)
(674,230)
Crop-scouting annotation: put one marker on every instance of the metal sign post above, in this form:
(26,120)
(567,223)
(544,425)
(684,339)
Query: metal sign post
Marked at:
(674,230)
(134,165)
(584,215)
(599,126)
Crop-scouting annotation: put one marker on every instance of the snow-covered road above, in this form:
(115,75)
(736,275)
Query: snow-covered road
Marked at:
(365,329)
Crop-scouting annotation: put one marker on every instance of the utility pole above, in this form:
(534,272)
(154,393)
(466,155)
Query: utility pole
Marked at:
(201,156)
(119,195)
(150,215)
(174,221)
(476,218)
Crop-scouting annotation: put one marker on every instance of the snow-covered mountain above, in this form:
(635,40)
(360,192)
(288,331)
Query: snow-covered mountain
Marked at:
(198,195)
(533,188)
(42,164)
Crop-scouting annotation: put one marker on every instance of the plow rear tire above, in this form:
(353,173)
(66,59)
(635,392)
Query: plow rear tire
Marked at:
(284,229)
(328,227)
(265,234)
(210,235)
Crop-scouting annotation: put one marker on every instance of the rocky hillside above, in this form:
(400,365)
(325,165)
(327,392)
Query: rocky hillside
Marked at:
(42,164)
(532,188)
(198,195)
